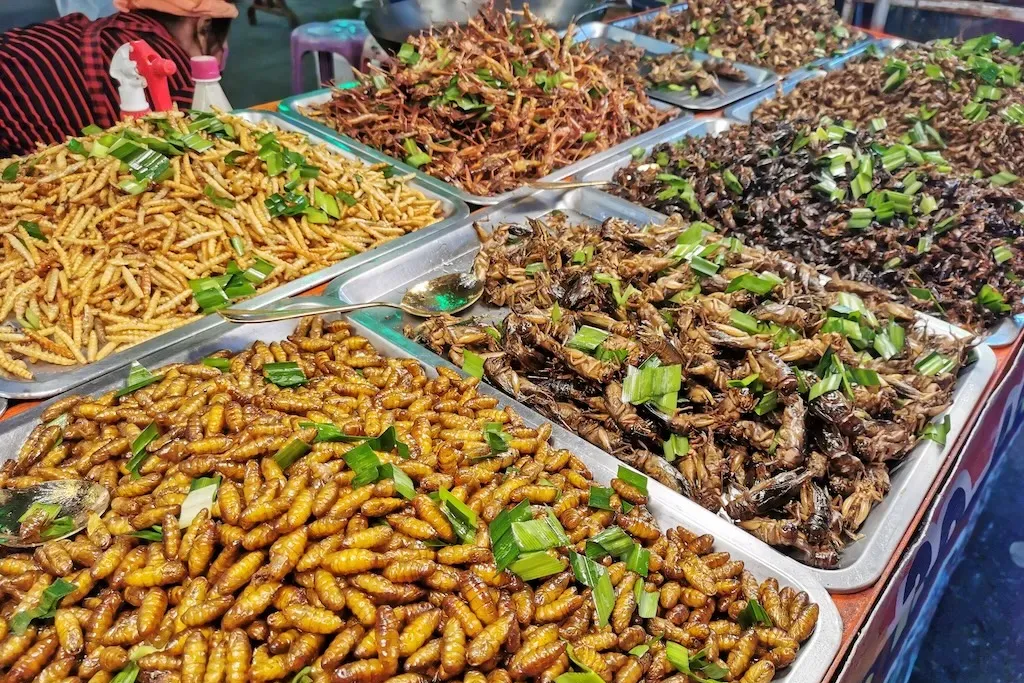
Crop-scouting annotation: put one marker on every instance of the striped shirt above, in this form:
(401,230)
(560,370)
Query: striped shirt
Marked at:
(54,78)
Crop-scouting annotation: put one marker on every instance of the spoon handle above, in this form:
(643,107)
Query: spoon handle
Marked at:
(568,185)
(265,315)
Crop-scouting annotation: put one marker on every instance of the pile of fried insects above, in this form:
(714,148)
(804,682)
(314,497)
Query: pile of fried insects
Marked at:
(310,510)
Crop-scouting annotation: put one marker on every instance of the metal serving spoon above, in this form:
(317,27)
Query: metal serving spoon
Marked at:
(75,499)
(445,294)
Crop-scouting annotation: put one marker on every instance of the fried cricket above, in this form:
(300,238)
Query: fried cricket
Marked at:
(731,374)
(494,104)
(780,35)
(387,570)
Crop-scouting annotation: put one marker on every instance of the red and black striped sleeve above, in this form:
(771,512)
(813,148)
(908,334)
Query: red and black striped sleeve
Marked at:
(54,76)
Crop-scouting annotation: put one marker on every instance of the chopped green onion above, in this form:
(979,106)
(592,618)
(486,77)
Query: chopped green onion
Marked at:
(650,383)
(138,377)
(607,355)
(676,446)
(289,204)
(139,455)
(534,268)
(407,54)
(583,256)
(865,377)
(217,200)
(877,125)
(646,602)
(752,283)
(536,565)
(33,230)
(133,186)
(347,199)
(363,461)
(744,382)
(46,609)
(993,300)
(496,439)
(987,92)
(860,218)
(403,484)
(290,453)
(754,614)
(222,364)
(768,403)
(744,321)
(153,533)
(1003,178)
(232,157)
(588,137)
(1002,254)
(732,182)
(637,153)
(10,172)
(461,516)
(937,431)
(415,156)
(934,363)
(209,294)
(286,374)
(703,266)
(92,129)
(638,560)
(600,497)
(612,541)
(826,385)
(472,364)
(587,339)
(503,545)
(539,534)
(328,433)
(238,244)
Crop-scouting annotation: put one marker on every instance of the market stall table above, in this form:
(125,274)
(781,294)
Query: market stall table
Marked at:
(885,622)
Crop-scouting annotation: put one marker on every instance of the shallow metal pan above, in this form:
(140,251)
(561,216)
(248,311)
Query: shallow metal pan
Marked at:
(602,35)
(816,654)
(605,169)
(53,379)
(630,23)
(291,109)
(863,561)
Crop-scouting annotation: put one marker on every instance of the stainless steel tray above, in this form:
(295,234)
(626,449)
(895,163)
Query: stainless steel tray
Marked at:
(744,111)
(605,169)
(53,379)
(630,23)
(863,561)
(816,655)
(601,35)
(291,108)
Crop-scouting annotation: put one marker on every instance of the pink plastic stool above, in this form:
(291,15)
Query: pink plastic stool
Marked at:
(341,36)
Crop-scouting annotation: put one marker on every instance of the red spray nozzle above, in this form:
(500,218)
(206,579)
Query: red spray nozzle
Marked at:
(156,70)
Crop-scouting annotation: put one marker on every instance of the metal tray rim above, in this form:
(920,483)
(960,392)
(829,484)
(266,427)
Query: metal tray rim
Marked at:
(830,60)
(816,655)
(64,381)
(289,109)
(743,111)
(890,519)
(595,29)
(678,133)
